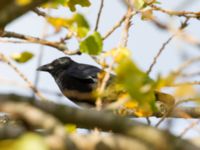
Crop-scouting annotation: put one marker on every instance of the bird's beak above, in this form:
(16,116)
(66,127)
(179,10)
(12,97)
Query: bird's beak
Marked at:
(46,68)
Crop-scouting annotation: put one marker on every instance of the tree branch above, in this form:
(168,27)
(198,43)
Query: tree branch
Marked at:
(58,45)
(187,14)
(10,11)
(90,119)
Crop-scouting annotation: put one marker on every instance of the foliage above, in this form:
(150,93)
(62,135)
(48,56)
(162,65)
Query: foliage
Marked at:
(68,3)
(130,90)
(92,44)
(22,57)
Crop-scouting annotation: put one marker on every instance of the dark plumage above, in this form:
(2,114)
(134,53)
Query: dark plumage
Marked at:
(76,81)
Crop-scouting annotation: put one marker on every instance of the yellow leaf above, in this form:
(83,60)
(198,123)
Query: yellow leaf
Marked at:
(70,128)
(30,141)
(185,91)
(121,53)
(23,2)
(147,14)
(58,23)
(7,144)
(140,112)
(138,4)
(131,104)
(22,57)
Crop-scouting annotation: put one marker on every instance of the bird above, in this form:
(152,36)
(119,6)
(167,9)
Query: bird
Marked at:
(78,82)
(75,80)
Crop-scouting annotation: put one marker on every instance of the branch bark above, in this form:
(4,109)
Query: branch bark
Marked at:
(58,45)
(10,10)
(155,138)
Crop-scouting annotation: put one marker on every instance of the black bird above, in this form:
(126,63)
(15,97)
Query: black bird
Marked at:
(78,81)
(75,80)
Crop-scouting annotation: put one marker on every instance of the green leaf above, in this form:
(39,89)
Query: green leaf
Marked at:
(22,57)
(136,82)
(69,3)
(80,20)
(81,32)
(80,25)
(77,24)
(72,3)
(138,4)
(92,45)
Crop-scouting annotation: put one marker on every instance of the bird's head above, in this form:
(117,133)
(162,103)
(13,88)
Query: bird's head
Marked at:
(58,64)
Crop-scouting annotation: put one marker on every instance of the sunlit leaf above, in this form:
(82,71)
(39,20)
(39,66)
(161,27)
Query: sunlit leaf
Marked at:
(76,24)
(30,141)
(80,25)
(69,3)
(70,128)
(58,23)
(162,82)
(23,2)
(136,82)
(185,91)
(138,4)
(72,4)
(92,45)
(80,20)
(22,57)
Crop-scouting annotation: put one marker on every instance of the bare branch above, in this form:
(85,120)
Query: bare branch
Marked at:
(99,15)
(127,25)
(117,25)
(187,14)
(60,46)
(29,83)
(158,54)
(182,26)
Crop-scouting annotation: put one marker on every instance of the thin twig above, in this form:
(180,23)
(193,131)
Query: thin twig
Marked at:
(186,64)
(13,41)
(188,14)
(41,52)
(164,116)
(185,83)
(99,15)
(29,83)
(182,26)
(158,54)
(39,12)
(193,124)
(173,107)
(192,99)
(60,46)
(117,25)
(193,74)
(125,32)
(179,33)
(107,75)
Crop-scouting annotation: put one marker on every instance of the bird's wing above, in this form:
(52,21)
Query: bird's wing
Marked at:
(84,72)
